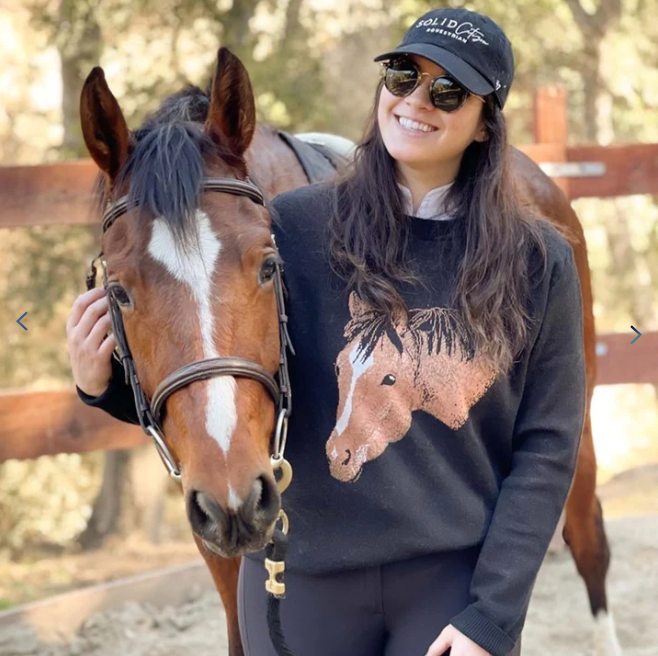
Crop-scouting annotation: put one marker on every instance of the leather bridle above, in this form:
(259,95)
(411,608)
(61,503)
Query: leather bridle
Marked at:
(150,413)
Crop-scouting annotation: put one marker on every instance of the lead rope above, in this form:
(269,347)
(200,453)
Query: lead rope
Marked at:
(278,546)
(274,563)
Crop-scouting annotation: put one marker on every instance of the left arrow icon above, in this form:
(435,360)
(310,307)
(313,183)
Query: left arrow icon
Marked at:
(18,321)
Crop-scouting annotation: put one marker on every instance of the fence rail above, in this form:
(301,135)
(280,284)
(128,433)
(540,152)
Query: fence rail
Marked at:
(48,194)
(34,424)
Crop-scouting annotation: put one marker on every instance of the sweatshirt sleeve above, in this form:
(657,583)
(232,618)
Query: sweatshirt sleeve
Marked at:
(117,400)
(546,440)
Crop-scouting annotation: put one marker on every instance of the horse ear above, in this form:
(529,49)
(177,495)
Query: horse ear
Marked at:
(232,112)
(357,307)
(104,128)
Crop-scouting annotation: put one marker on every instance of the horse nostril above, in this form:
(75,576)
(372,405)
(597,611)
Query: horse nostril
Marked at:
(349,457)
(207,518)
(263,497)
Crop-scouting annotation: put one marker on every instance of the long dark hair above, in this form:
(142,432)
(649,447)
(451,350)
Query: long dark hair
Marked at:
(368,238)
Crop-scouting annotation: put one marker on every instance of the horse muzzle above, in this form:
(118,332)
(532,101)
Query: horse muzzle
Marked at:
(240,526)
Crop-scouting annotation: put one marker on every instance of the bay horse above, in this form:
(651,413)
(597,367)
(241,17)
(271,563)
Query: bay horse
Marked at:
(190,264)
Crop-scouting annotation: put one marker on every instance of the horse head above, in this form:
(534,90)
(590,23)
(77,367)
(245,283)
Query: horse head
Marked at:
(192,273)
(392,368)
(377,394)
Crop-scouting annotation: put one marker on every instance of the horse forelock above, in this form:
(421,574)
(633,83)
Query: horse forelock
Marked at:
(369,331)
(190,105)
(165,169)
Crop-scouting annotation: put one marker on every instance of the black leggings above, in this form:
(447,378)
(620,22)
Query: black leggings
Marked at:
(397,609)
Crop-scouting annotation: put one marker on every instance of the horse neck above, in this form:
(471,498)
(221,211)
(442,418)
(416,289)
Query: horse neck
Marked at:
(274,165)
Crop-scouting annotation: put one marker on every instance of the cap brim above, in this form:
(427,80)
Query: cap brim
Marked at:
(464,73)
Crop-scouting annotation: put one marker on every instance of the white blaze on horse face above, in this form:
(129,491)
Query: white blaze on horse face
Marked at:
(233,500)
(195,268)
(358,369)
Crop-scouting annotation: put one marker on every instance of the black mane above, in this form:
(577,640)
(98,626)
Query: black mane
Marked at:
(440,329)
(433,329)
(370,329)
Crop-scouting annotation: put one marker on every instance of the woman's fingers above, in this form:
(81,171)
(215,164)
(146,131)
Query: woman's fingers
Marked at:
(81,304)
(108,345)
(99,331)
(93,312)
(441,644)
(90,349)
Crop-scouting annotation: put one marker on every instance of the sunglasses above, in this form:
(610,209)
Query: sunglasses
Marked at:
(402,77)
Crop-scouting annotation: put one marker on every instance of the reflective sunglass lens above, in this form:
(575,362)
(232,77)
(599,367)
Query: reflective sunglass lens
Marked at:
(447,95)
(401,80)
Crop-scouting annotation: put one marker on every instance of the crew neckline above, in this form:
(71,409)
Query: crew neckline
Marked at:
(431,230)
(432,206)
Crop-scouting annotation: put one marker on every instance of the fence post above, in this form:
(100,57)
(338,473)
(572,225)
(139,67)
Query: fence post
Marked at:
(550,125)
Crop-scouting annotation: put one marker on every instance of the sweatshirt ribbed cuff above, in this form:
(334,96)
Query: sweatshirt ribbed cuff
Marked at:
(93,401)
(117,400)
(485,633)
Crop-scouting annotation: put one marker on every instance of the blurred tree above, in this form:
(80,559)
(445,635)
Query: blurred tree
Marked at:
(80,44)
(75,30)
(626,268)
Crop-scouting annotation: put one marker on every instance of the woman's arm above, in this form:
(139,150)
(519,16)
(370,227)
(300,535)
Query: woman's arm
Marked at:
(117,400)
(94,369)
(546,441)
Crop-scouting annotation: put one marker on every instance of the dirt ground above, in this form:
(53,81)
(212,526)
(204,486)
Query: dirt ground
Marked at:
(559,622)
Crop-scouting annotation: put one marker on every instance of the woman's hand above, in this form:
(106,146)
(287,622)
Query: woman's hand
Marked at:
(460,645)
(90,347)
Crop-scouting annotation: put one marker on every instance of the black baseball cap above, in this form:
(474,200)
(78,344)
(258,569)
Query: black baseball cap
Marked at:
(469,46)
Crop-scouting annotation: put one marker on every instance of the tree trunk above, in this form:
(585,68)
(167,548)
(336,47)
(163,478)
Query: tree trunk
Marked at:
(80,45)
(106,514)
(131,497)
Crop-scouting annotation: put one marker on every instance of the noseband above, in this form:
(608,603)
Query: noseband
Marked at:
(150,413)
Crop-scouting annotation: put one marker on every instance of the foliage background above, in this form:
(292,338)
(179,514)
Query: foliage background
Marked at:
(311,67)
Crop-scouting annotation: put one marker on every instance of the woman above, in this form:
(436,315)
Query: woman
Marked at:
(439,379)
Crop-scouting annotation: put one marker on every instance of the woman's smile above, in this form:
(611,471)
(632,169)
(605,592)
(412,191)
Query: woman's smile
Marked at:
(414,128)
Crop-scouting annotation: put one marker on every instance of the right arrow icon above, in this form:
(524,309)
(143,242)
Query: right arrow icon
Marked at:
(639,334)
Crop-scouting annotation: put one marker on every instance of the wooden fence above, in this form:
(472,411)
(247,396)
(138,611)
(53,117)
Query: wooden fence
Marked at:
(46,423)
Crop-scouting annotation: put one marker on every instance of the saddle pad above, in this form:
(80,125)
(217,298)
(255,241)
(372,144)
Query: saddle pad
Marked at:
(318,161)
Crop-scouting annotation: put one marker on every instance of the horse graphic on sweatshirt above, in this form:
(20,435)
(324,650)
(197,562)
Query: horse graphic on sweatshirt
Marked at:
(389,370)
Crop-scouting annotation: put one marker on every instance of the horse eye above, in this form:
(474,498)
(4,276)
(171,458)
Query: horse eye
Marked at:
(267,270)
(388,380)
(121,296)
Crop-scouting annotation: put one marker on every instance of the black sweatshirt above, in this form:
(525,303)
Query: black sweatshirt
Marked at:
(402,441)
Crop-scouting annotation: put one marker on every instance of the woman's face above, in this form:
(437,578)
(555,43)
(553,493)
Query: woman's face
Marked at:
(451,133)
